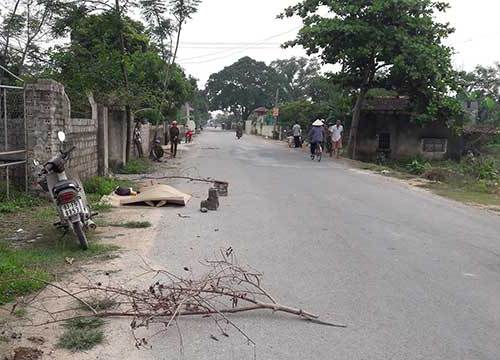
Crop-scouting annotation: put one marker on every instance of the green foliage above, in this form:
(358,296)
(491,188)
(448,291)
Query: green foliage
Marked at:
(417,166)
(383,43)
(303,112)
(82,334)
(297,76)
(103,185)
(21,269)
(19,274)
(482,168)
(242,87)
(135,166)
(18,201)
(93,62)
(482,86)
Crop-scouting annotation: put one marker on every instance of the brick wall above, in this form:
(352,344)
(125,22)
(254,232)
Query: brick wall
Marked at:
(83,135)
(48,111)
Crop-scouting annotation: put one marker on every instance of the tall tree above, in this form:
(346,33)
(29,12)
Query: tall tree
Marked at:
(298,75)
(242,87)
(483,86)
(25,26)
(399,39)
(165,22)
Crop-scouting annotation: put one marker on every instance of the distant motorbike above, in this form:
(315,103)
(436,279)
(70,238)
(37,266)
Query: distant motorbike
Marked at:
(239,134)
(68,195)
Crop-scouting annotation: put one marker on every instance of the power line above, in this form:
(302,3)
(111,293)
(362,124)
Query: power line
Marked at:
(236,52)
(239,43)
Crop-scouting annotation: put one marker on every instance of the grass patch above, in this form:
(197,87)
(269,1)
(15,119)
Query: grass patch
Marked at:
(466,195)
(473,180)
(82,334)
(20,313)
(136,166)
(133,224)
(18,201)
(24,270)
(100,185)
(99,303)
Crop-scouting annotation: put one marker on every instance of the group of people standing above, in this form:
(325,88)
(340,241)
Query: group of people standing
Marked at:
(319,134)
(157,151)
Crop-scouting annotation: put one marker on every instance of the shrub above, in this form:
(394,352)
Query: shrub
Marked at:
(436,174)
(482,168)
(136,166)
(417,166)
(100,185)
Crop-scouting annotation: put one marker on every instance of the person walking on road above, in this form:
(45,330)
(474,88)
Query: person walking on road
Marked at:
(297,132)
(174,138)
(316,136)
(336,131)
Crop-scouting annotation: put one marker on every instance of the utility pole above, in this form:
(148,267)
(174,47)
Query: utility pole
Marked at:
(276,114)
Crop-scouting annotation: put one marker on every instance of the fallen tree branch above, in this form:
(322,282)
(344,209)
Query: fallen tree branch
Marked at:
(227,288)
(206,180)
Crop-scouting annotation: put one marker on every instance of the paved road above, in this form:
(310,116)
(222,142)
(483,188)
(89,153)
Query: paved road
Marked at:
(413,275)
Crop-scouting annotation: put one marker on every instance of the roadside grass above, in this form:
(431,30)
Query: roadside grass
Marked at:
(98,186)
(25,270)
(135,166)
(82,334)
(474,180)
(133,224)
(17,201)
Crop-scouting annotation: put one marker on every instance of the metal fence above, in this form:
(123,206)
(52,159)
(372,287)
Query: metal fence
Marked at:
(13,139)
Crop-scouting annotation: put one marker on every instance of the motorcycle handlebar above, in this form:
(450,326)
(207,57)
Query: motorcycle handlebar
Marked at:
(67,153)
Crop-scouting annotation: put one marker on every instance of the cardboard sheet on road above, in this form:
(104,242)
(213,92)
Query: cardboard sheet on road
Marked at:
(152,195)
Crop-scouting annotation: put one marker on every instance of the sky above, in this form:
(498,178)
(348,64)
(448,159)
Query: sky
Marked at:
(225,30)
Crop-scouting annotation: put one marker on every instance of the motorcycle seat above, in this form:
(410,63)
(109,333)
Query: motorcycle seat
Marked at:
(63,185)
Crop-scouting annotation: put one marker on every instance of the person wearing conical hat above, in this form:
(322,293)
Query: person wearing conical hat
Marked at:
(316,136)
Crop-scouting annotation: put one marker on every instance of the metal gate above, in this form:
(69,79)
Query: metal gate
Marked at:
(13,140)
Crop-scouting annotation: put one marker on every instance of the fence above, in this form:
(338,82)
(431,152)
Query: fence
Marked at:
(13,138)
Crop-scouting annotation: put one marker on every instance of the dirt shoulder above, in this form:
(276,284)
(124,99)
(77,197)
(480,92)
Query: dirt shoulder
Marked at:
(34,328)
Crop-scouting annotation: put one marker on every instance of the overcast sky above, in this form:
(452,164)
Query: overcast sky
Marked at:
(225,30)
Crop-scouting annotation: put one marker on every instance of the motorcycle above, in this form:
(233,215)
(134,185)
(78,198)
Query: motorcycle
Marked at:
(239,134)
(68,195)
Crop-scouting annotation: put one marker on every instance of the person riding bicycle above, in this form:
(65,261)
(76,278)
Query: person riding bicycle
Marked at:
(316,136)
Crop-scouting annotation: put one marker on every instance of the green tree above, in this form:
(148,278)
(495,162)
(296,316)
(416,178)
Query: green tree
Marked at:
(482,86)
(25,25)
(298,74)
(93,62)
(396,39)
(303,112)
(242,87)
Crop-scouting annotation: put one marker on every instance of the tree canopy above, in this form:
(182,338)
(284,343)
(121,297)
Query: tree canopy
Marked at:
(242,87)
(382,39)
(297,75)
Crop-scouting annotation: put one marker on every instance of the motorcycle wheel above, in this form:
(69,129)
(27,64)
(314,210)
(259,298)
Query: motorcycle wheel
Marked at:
(80,234)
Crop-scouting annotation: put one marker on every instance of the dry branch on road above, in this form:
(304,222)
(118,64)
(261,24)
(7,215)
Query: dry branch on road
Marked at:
(227,288)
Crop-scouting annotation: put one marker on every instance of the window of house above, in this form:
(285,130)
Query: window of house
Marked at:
(434,145)
(384,141)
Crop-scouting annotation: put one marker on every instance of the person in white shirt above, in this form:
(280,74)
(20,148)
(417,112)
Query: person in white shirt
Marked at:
(297,132)
(336,131)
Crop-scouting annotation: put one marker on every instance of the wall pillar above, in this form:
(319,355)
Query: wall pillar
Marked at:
(47,111)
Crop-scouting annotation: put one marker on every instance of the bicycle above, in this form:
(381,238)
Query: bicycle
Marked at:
(318,152)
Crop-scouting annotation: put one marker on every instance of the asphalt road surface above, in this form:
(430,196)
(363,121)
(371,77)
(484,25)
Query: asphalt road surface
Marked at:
(413,275)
